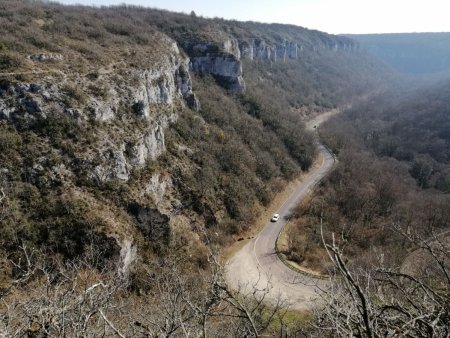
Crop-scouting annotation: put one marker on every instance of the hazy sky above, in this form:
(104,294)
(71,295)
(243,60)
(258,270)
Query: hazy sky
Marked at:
(332,16)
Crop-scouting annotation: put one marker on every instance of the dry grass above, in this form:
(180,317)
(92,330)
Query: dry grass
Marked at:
(316,261)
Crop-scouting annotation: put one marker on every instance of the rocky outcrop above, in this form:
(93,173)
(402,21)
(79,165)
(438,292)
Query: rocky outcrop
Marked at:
(258,49)
(106,108)
(157,187)
(128,254)
(164,84)
(150,144)
(246,49)
(155,94)
(46,57)
(117,161)
(338,43)
(261,50)
(151,222)
(223,61)
(114,167)
(23,98)
(288,49)
(225,67)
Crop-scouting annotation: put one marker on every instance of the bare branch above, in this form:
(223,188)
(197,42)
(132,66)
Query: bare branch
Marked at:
(111,324)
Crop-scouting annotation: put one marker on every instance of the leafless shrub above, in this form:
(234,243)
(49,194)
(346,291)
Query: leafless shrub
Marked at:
(49,298)
(388,302)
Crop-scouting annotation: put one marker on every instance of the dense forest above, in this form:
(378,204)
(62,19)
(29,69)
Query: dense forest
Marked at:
(125,170)
(387,197)
(393,168)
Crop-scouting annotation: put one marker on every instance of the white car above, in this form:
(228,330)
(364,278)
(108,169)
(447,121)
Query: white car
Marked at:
(275,218)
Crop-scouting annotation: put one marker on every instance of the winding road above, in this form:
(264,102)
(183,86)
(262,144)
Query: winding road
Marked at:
(257,264)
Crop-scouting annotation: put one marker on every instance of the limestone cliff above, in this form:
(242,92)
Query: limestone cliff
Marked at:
(106,154)
(223,61)
(155,94)
(259,49)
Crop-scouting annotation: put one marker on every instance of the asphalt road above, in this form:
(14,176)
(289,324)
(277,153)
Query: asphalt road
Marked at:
(257,265)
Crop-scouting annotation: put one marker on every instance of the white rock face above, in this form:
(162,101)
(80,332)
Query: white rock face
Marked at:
(292,50)
(258,49)
(46,57)
(151,144)
(128,254)
(225,67)
(106,109)
(231,46)
(246,49)
(6,111)
(114,167)
(164,84)
(118,161)
(222,65)
(281,52)
(223,61)
(261,50)
(157,187)
(154,93)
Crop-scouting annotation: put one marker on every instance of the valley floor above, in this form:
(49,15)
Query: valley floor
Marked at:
(257,266)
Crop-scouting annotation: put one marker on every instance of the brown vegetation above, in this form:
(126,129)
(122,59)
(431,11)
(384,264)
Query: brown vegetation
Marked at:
(375,184)
(61,226)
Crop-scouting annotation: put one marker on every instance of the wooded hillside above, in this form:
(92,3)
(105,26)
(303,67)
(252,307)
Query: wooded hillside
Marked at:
(136,143)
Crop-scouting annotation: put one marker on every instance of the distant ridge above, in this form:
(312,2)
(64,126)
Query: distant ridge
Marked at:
(410,53)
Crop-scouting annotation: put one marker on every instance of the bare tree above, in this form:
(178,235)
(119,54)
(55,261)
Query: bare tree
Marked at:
(202,304)
(57,300)
(3,201)
(249,307)
(52,299)
(386,301)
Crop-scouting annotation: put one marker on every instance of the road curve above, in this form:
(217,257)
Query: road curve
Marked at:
(257,264)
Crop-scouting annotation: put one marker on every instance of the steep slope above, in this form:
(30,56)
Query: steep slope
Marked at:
(129,134)
(92,93)
(380,212)
(393,171)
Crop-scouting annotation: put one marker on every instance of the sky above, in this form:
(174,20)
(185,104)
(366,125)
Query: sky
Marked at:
(331,16)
